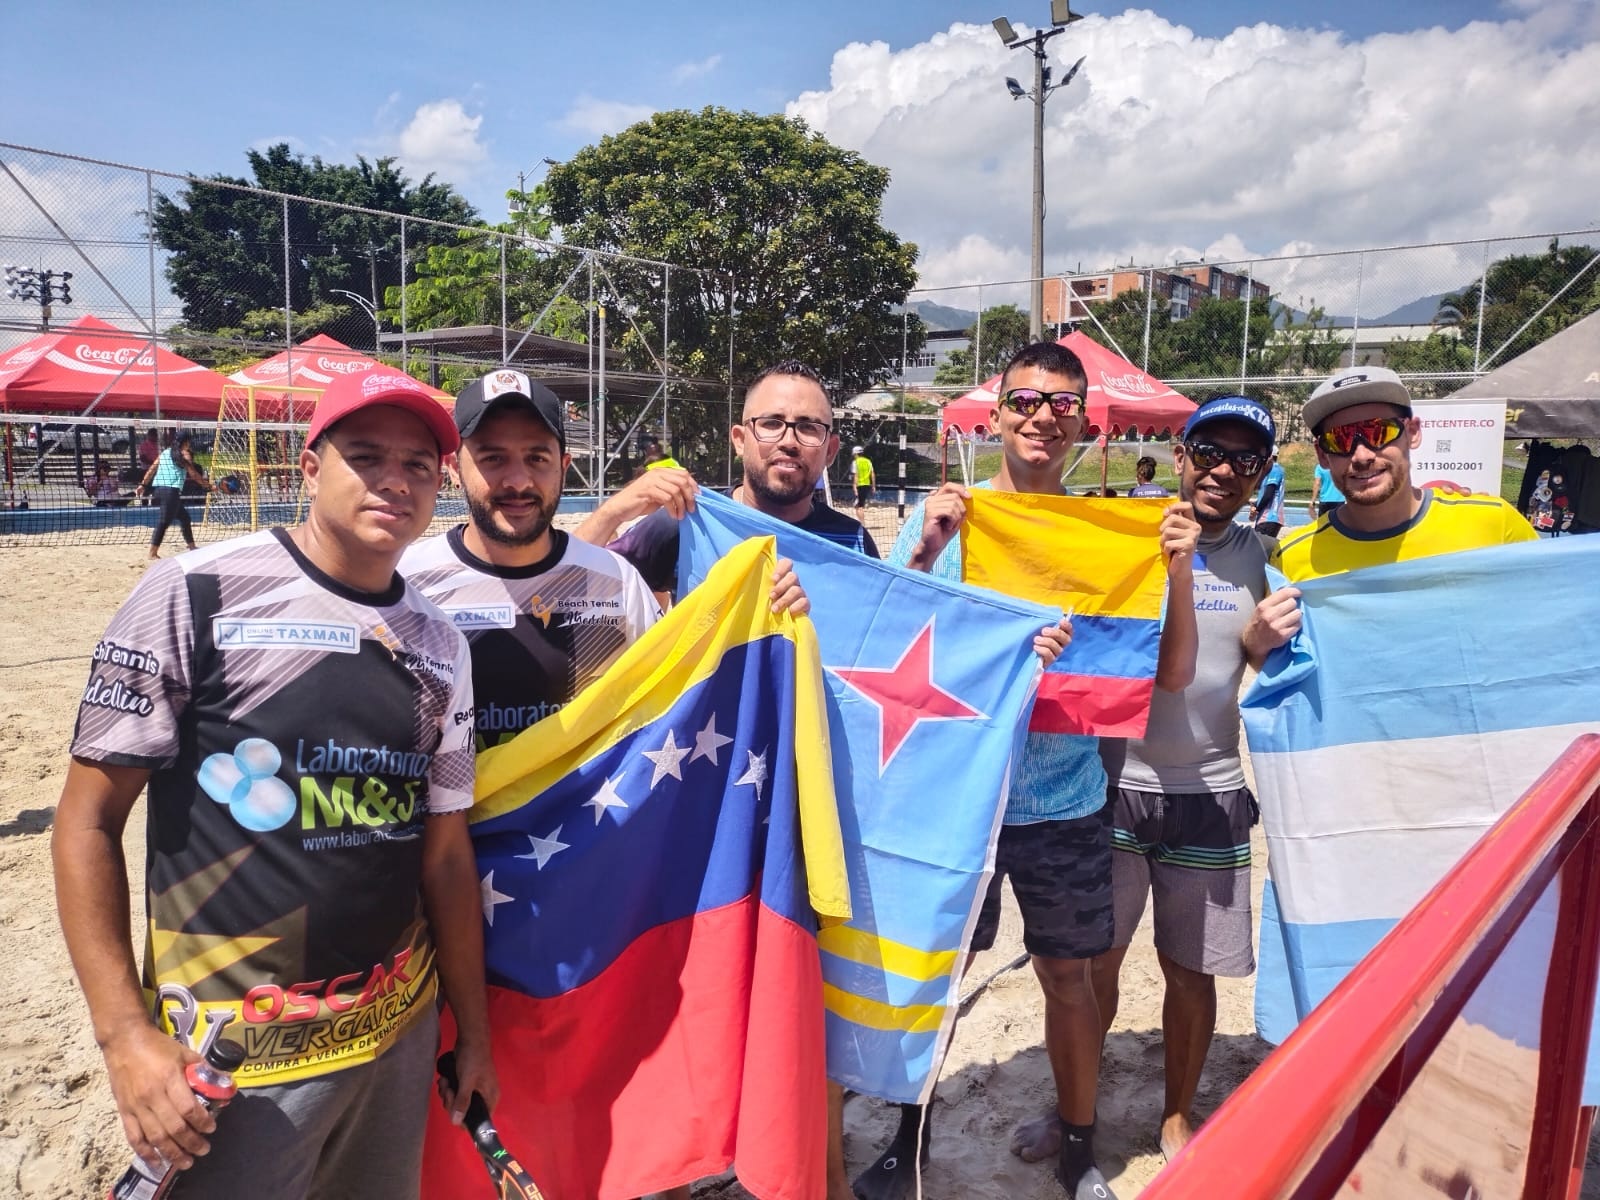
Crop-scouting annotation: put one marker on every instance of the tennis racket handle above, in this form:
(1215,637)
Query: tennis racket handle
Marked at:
(477,1121)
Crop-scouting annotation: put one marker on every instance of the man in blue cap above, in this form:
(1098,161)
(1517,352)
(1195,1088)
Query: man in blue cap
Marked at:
(1181,811)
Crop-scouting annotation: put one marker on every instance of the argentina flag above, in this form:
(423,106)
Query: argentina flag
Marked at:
(928,685)
(1418,703)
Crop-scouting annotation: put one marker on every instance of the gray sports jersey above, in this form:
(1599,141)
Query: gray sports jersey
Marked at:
(1192,741)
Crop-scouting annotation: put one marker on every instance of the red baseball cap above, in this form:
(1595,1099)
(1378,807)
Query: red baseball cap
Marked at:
(351,393)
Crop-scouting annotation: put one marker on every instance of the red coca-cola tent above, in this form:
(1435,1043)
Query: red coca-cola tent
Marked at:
(92,367)
(1122,398)
(313,364)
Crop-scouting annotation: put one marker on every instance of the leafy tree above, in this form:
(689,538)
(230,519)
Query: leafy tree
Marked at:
(1004,330)
(1308,346)
(1440,351)
(783,230)
(1514,289)
(459,282)
(226,245)
(1123,317)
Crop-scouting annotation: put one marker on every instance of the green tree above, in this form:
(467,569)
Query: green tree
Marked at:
(226,244)
(1517,287)
(1123,318)
(460,282)
(1004,331)
(1441,351)
(783,229)
(1307,346)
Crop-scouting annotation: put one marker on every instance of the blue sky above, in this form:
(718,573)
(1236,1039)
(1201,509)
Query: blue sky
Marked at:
(1234,129)
(189,89)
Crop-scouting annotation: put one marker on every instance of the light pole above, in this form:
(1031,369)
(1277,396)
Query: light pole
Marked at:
(366,306)
(47,287)
(1061,15)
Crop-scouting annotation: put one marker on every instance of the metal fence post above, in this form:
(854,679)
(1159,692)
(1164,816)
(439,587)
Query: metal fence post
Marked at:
(1355,328)
(1244,349)
(150,242)
(1483,289)
(288,299)
(977,341)
(505,318)
(666,350)
(405,319)
(1149,304)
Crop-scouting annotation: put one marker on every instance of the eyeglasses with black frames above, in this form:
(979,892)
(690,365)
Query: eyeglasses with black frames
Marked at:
(807,432)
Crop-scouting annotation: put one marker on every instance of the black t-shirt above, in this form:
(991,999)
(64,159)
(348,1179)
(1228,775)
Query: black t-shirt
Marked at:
(297,731)
(652,544)
(538,634)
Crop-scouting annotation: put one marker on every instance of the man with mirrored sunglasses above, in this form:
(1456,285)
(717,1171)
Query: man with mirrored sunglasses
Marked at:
(1181,811)
(1055,839)
(1364,431)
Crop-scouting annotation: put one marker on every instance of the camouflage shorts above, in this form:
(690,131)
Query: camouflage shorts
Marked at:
(1060,873)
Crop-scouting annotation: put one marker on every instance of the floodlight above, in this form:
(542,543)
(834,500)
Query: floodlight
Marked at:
(1061,13)
(1045,75)
(1014,88)
(1003,28)
(1068,77)
(66,275)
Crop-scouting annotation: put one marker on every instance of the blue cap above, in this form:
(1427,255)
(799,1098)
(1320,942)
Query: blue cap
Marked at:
(1234,408)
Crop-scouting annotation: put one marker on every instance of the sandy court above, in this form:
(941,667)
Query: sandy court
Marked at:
(59,1136)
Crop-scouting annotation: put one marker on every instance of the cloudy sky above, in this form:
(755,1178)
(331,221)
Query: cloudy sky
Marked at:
(1229,128)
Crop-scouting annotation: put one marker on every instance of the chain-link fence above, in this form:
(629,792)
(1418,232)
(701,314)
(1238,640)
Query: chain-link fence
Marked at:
(1440,314)
(113,270)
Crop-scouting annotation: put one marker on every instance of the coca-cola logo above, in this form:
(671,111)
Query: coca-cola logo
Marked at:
(345,366)
(374,384)
(26,355)
(1132,381)
(270,370)
(125,356)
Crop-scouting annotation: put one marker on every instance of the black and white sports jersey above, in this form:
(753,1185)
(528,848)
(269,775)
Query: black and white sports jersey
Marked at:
(539,634)
(298,731)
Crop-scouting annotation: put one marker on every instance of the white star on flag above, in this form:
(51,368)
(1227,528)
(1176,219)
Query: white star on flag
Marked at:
(491,897)
(605,798)
(708,741)
(755,772)
(668,759)
(545,848)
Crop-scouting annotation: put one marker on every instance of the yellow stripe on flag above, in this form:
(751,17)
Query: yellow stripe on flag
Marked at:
(868,949)
(874,1014)
(1097,556)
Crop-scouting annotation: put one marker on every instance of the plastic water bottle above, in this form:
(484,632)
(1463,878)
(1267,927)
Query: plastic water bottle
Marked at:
(211,1080)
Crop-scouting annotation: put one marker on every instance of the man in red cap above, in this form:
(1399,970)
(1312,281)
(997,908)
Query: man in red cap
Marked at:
(303,720)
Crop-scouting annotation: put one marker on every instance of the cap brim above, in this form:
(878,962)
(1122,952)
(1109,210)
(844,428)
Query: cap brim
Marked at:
(1377,391)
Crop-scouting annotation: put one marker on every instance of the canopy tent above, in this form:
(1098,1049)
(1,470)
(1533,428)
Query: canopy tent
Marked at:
(1552,390)
(1122,398)
(90,366)
(313,364)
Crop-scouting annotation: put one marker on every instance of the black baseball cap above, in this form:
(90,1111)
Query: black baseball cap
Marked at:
(508,387)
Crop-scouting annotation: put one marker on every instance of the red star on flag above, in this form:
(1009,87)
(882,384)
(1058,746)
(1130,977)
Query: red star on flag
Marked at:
(905,694)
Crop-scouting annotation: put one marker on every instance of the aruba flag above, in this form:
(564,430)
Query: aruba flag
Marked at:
(927,686)
(650,859)
(1100,558)
(1418,703)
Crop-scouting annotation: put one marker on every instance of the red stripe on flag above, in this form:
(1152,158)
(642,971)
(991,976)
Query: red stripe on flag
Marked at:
(1095,705)
(701,1047)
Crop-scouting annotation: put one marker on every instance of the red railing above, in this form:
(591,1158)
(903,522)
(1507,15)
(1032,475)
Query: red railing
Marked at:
(1300,1124)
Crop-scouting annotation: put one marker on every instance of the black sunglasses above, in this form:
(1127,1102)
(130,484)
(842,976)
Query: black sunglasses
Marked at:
(1208,456)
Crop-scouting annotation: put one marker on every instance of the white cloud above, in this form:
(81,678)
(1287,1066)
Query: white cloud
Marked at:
(1267,141)
(684,72)
(442,138)
(597,118)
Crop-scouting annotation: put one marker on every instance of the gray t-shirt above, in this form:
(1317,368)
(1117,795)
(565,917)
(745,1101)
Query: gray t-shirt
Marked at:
(1192,741)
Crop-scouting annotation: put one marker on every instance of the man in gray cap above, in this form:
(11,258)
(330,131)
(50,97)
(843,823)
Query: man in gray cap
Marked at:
(1364,431)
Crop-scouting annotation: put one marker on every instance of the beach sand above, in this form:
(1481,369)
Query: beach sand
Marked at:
(59,1136)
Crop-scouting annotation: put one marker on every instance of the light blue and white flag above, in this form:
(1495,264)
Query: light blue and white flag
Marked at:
(1417,705)
(929,685)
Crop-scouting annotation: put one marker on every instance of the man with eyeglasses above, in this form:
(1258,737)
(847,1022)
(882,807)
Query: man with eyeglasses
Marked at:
(1361,422)
(1181,811)
(1055,841)
(785,441)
